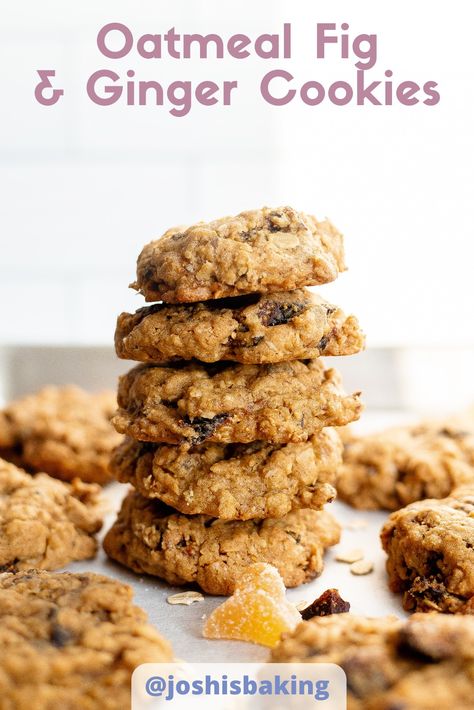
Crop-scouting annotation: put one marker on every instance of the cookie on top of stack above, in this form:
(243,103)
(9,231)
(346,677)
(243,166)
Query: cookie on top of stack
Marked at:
(228,417)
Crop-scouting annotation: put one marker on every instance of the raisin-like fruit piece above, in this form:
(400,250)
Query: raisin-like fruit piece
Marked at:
(330,602)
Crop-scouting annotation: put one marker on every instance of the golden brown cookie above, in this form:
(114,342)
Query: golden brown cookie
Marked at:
(229,403)
(63,431)
(430,548)
(251,329)
(401,465)
(233,481)
(260,251)
(149,537)
(44,522)
(423,663)
(71,641)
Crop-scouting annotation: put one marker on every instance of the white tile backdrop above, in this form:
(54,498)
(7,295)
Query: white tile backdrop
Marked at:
(82,187)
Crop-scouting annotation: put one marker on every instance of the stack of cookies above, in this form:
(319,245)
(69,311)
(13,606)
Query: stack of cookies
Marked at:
(228,416)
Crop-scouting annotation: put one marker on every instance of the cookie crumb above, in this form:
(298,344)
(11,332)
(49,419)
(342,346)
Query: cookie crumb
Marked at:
(350,556)
(362,567)
(186,598)
(330,602)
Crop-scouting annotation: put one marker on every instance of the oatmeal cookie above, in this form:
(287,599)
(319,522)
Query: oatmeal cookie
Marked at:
(233,481)
(149,537)
(430,548)
(44,522)
(71,641)
(421,663)
(229,403)
(401,465)
(63,431)
(260,251)
(251,329)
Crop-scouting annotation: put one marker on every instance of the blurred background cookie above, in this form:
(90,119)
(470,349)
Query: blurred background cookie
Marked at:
(63,431)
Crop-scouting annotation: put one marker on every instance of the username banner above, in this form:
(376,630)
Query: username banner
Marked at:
(236,686)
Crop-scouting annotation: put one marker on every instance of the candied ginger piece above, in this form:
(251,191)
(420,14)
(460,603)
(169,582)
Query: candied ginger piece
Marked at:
(258,610)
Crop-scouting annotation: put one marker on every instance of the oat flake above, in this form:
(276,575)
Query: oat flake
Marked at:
(186,598)
(350,556)
(362,567)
